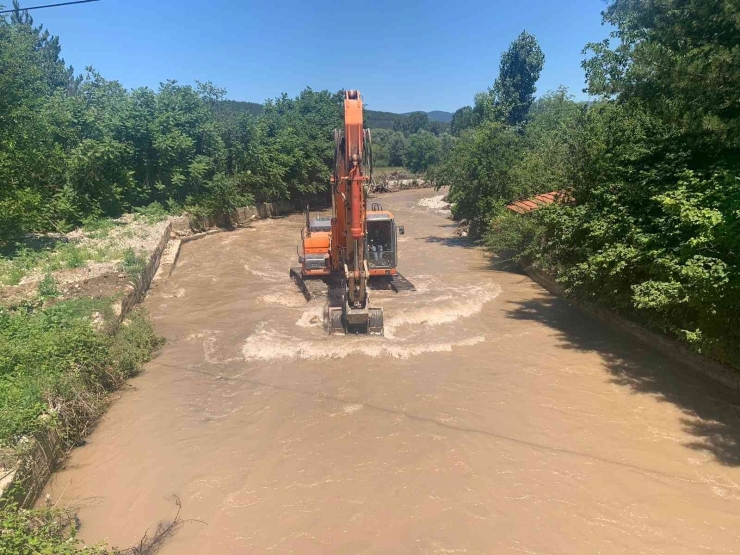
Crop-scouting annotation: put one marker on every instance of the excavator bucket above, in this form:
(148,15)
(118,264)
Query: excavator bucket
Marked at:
(335,321)
(370,321)
(375,322)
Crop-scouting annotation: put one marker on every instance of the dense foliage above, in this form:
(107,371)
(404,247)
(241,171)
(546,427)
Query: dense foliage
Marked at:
(72,147)
(513,91)
(498,158)
(654,227)
(64,356)
(415,143)
(649,224)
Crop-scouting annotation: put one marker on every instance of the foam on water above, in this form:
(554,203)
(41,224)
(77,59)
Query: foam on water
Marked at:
(312,317)
(453,303)
(269,276)
(423,282)
(269,345)
(436,204)
(290,299)
(465,302)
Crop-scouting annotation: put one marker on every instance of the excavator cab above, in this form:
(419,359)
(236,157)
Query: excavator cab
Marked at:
(382,242)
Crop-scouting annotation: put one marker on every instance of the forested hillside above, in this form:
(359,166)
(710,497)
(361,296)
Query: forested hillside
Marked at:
(374,119)
(436,115)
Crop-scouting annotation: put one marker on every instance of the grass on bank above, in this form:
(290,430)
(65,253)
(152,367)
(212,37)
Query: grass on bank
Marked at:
(58,363)
(98,240)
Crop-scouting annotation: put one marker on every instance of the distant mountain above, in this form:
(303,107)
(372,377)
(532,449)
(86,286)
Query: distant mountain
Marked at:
(373,118)
(436,115)
(241,107)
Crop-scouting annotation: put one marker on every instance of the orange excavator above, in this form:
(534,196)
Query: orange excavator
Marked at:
(354,250)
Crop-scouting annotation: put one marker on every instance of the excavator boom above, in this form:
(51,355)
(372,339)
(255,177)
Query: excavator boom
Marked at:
(348,253)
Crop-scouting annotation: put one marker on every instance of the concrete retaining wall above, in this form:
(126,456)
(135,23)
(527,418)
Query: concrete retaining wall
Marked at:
(242,216)
(667,346)
(139,289)
(23,480)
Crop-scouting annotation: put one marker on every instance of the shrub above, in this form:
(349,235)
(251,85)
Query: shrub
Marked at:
(64,357)
(133,263)
(223,197)
(41,531)
(152,213)
(47,287)
(514,235)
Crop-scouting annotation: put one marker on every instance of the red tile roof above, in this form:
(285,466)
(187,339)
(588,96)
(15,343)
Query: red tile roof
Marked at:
(527,205)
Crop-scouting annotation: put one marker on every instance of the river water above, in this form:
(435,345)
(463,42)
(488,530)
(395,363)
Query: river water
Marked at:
(491,418)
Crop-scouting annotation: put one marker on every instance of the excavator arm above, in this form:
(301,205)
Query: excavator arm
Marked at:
(348,249)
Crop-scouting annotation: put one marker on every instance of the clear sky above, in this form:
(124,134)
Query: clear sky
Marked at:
(403,55)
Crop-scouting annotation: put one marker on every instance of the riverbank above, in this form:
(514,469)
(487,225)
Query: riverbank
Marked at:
(73,336)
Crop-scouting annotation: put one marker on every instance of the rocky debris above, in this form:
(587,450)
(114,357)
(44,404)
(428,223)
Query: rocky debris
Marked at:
(399,181)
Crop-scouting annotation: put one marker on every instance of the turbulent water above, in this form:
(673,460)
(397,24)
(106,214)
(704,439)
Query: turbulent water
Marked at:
(490,418)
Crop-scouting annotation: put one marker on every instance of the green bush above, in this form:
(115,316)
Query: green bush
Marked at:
(152,213)
(515,235)
(47,287)
(222,197)
(133,263)
(42,532)
(62,355)
(97,226)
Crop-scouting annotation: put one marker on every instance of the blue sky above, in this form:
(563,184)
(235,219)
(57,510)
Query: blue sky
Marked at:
(403,55)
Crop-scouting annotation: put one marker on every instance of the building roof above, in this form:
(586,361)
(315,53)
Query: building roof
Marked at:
(527,205)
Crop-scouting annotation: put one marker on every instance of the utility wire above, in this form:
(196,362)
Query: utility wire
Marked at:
(49,6)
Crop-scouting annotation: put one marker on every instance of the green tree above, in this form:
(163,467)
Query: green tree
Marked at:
(653,228)
(412,123)
(462,119)
(680,59)
(380,139)
(513,91)
(422,151)
(30,72)
(396,149)
(478,172)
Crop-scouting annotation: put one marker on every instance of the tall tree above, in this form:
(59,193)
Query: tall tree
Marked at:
(513,91)
(654,227)
(678,58)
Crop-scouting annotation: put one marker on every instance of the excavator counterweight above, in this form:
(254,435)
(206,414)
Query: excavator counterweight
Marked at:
(343,256)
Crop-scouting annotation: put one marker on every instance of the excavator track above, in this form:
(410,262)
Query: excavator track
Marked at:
(319,289)
(397,283)
(400,283)
(311,288)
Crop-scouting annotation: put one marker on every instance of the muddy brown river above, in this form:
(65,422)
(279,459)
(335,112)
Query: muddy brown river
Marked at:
(491,418)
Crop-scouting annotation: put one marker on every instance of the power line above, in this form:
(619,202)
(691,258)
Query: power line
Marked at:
(49,6)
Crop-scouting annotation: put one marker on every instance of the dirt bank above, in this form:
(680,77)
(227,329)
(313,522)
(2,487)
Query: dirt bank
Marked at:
(491,418)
